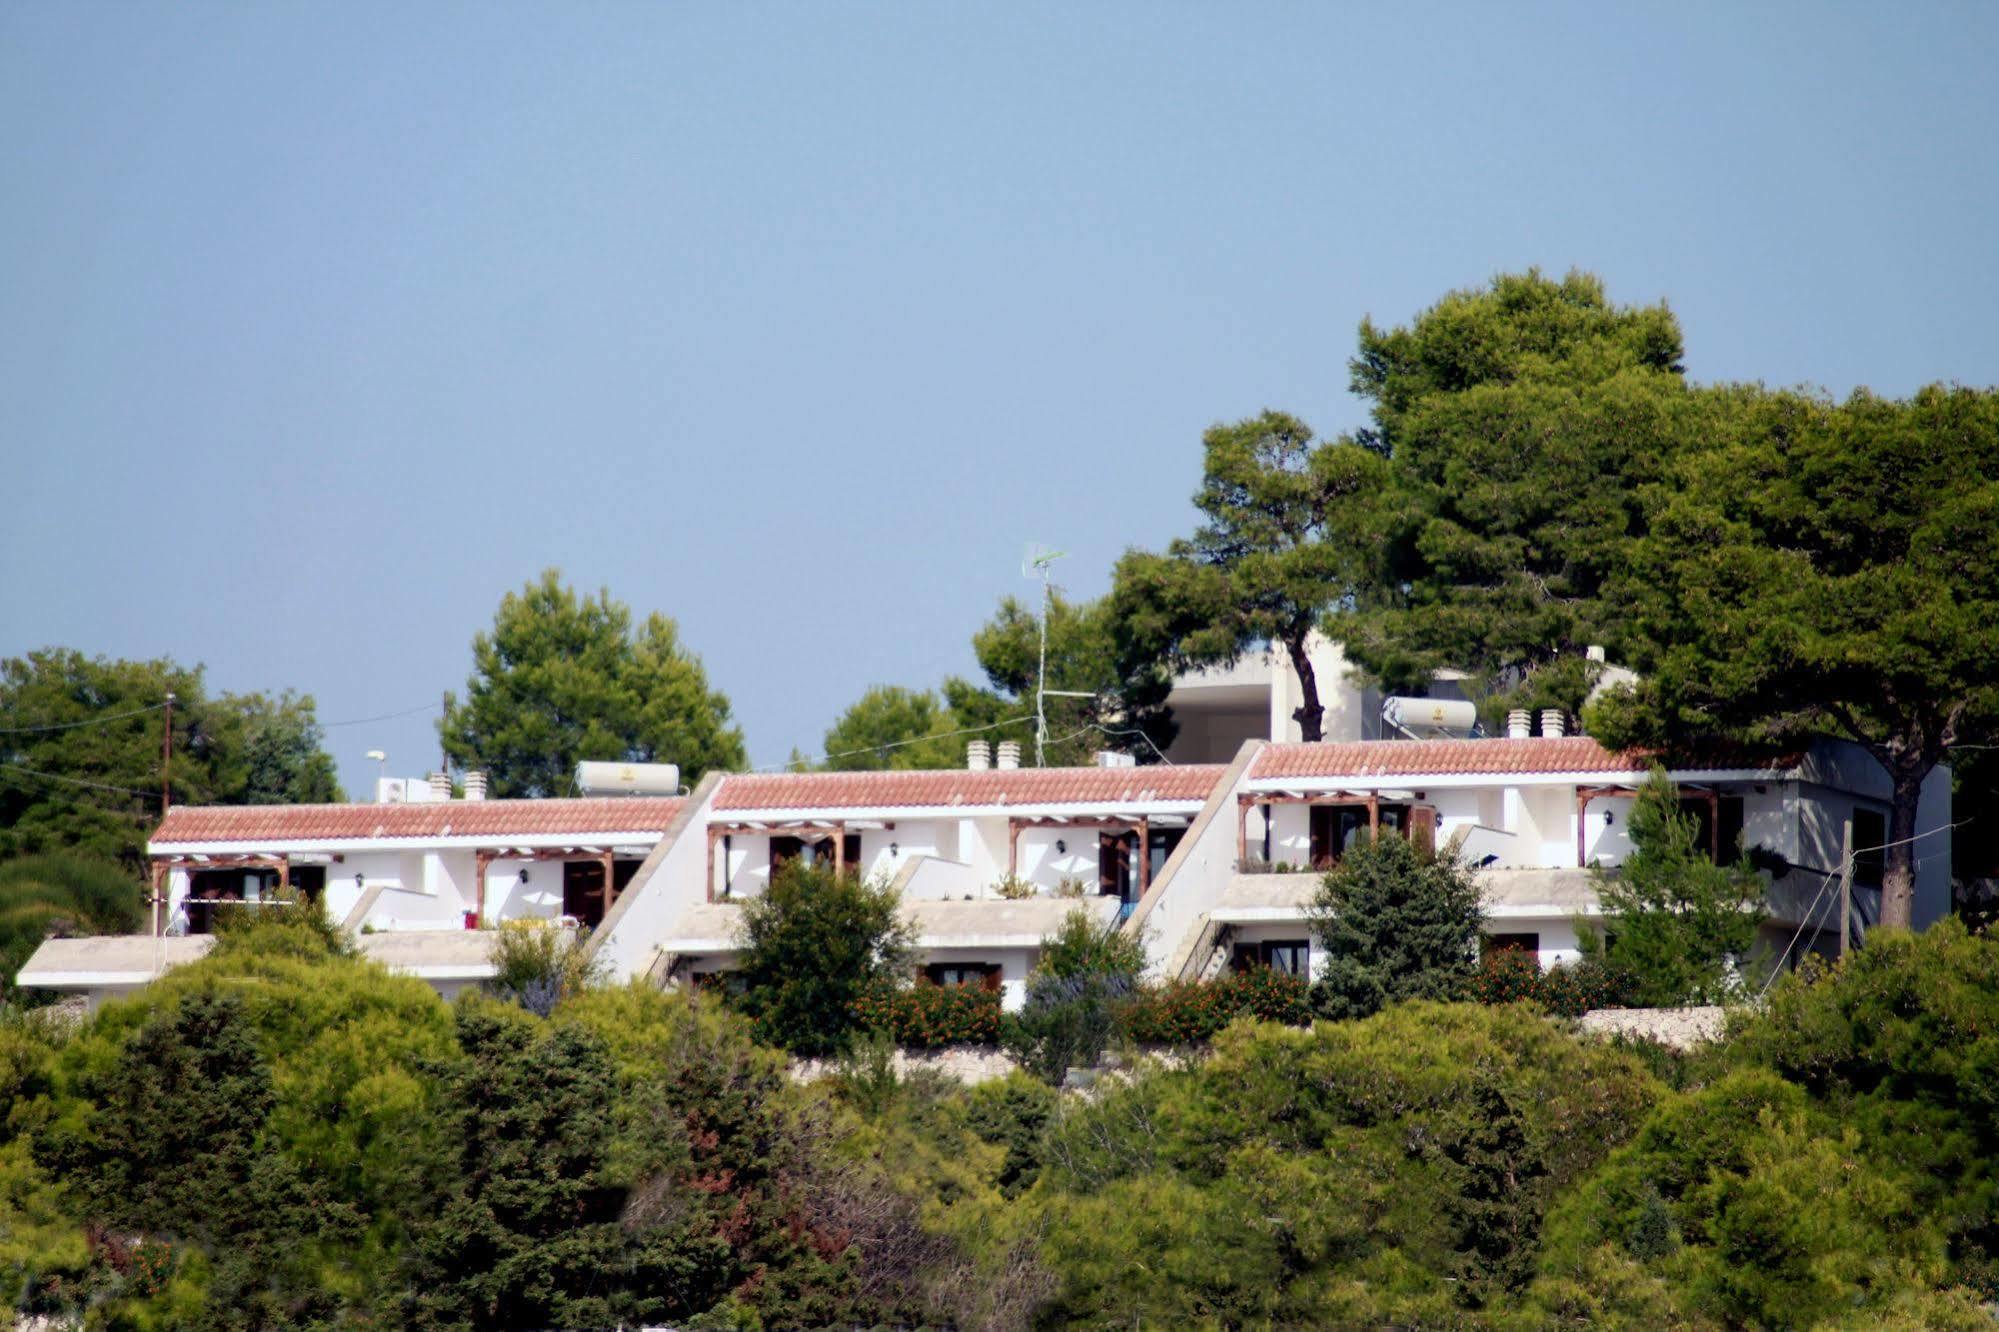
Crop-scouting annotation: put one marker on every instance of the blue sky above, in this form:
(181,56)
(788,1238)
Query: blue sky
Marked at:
(321,327)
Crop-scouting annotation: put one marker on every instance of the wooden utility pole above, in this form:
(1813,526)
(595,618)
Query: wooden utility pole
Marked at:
(1846,888)
(167,757)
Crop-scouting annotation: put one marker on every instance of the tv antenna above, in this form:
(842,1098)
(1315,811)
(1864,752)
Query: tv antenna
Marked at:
(1035,564)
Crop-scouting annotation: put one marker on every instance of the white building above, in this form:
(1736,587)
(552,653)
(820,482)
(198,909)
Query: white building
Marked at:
(1211,865)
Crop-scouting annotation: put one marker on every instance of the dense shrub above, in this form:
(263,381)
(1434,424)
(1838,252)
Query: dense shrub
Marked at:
(1070,1014)
(537,965)
(814,942)
(1394,922)
(1509,975)
(56,896)
(1389,1172)
(924,1016)
(1191,1012)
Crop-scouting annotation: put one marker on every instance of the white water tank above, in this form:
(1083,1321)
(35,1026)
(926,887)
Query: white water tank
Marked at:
(652,779)
(1448,716)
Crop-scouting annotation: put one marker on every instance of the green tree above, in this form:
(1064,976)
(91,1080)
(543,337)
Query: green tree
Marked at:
(60,894)
(1125,704)
(1827,565)
(1288,539)
(1520,420)
(1394,924)
(562,678)
(893,727)
(812,943)
(80,751)
(1678,927)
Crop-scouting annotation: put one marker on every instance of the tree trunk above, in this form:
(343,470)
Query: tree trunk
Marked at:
(1309,715)
(1898,877)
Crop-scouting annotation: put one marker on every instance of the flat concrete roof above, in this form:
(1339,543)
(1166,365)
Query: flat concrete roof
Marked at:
(712,927)
(114,960)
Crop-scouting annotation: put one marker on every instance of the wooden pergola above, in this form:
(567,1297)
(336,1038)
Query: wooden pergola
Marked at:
(1628,791)
(483,859)
(805,830)
(1142,825)
(163,866)
(1265,799)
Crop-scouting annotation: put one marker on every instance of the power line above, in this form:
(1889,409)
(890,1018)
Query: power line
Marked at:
(77,781)
(1806,917)
(892,744)
(89,721)
(387,716)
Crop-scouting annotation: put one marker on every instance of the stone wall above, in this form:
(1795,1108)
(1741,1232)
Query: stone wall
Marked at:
(969,1064)
(1675,1028)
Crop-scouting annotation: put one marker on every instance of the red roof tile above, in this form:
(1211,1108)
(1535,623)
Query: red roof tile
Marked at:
(1538,754)
(991,786)
(456,818)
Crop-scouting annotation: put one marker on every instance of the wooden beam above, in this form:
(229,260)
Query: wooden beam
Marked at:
(481,862)
(284,872)
(1012,847)
(1583,795)
(839,849)
(1373,816)
(609,861)
(1144,855)
(713,833)
(1241,830)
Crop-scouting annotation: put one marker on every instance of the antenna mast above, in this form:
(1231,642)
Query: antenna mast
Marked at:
(1039,557)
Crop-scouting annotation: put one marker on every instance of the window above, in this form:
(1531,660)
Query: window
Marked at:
(983,975)
(1719,826)
(1870,854)
(583,887)
(1334,828)
(1115,852)
(784,850)
(1529,944)
(818,852)
(1159,848)
(1293,957)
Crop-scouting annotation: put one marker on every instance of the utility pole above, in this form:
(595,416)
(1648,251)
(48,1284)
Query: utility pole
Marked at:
(167,757)
(1846,888)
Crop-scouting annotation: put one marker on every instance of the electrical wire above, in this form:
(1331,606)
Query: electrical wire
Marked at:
(88,721)
(387,716)
(77,781)
(892,744)
(1806,917)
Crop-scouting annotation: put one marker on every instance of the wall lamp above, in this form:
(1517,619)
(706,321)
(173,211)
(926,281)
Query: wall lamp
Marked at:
(1061,847)
(894,850)
(524,874)
(1608,818)
(360,881)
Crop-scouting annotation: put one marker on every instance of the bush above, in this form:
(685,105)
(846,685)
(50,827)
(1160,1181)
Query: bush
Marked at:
(1394,923)
(1509,975)
(1069,1016)
(539,965)
(1679,925)
(1192,1012)
(814,943)
(57,896)
(924,1016)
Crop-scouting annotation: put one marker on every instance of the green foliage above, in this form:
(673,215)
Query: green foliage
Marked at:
(925,1016)
(1289,528)
(814,944)
(235,749)
(562,678)
(59,896)
(538,966)
(1194,1012)
(1070,1012)
(1084,947)
(1386,1172)
(1508,975)
(896,728)
(1676,925)
(1394,923)
(1520,419)
(1826,565)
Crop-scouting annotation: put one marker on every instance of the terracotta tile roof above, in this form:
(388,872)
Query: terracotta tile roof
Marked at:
(963,786)
(1537,754)
(456,818)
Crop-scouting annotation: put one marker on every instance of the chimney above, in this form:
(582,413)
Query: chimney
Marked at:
(475,784)
(1009,754)
(1554,722)
(440,786)
(979,755)
(1519,724)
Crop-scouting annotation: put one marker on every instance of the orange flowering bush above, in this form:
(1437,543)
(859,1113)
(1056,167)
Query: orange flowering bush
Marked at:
(1191,1012)
(924,1016)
